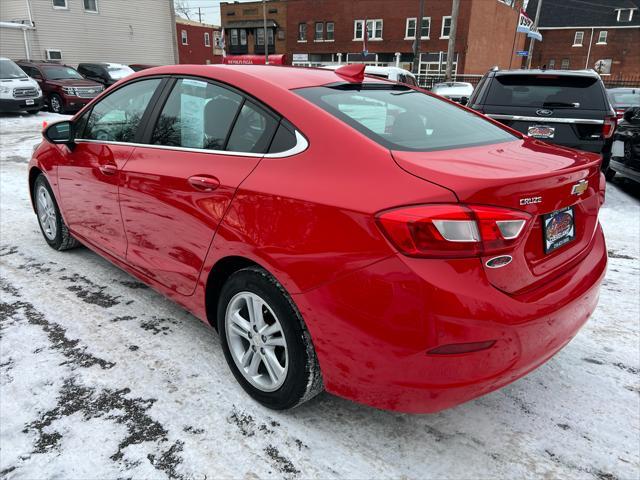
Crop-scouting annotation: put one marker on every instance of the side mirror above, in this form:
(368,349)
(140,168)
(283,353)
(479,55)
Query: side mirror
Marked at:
(59,132)
(632,115)
(464,100)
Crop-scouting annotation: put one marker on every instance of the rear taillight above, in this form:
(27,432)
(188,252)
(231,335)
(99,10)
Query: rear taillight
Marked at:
(609,126)
(619,114)
(452,230)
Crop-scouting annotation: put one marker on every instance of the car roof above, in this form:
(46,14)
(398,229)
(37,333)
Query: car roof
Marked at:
(277,75)
(623,89)
(539,71)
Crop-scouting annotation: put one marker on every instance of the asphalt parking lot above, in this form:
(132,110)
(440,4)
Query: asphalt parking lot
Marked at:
(101,377)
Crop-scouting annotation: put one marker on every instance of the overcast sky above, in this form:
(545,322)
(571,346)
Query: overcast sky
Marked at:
(210,9)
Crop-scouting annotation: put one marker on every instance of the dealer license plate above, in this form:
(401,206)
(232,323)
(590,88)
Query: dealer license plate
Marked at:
(29,102)
(617,149)
(541,131)
(559,229)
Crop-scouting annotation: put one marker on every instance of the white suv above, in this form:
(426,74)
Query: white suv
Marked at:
(18,92)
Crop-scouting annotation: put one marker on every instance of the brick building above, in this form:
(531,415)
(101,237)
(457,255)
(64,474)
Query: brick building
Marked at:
(244,28)
(198,42)
(323,31)
(599,34)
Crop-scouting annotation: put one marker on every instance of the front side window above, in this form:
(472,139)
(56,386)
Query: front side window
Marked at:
(116,118)
(207,39)
(302,32)
(400,118)
(330,29)
(319,31)
(91,5)
(185,38)
(197,114)
(602,37)
(446,27)
(577,39)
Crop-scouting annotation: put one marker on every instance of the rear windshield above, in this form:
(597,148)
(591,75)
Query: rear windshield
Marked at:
(548,91)
(631,98)
(400,118)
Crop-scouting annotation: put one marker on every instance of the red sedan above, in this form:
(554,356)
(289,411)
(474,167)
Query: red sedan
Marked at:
(340,232)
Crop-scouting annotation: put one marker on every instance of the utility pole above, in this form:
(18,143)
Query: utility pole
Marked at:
(199,15)
(416,42)
(532,41)
(452,39)
(266,37)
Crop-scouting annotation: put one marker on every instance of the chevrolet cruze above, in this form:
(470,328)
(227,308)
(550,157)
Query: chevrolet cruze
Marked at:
(340,232)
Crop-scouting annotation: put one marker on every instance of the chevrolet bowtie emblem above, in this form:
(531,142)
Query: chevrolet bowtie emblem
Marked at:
(580,187)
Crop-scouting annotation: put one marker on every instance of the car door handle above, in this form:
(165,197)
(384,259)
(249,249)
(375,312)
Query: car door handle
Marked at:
(204,183)
(109,169)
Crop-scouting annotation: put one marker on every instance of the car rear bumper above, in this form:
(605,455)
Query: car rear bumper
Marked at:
(372,329)
(20,104)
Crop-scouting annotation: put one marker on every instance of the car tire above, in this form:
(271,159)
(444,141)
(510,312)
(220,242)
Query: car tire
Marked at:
(274,338)
(52,226)
(55,103)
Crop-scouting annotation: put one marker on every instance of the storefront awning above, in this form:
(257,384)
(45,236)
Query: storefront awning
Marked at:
(251,24)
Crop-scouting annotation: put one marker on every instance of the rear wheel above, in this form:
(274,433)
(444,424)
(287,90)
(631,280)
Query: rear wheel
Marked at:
(55,103)
(265,341)
(52,225)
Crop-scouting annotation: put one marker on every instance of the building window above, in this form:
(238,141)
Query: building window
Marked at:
(217,40)
(91,6)
(207,39)
(330,29)
(234,36)
(302,32)
(565,64)
(552,64)
(54,54)
(60,4)
(319,32)
(374,27)
(410,31)
(602,37)
(577,39)
(260,36)
(243,36)
(446,27)
(185,39)
(249,11)
(625,14)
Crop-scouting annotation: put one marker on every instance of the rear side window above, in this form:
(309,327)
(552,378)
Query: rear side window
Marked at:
(546,91)
(401,118)
(116,118)
(197,114)
(252,131)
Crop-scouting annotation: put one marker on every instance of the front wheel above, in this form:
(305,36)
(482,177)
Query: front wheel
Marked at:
(55,103)
(53,228)
(265,341)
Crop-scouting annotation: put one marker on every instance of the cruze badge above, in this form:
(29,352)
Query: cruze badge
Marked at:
(580,187)
(530,200)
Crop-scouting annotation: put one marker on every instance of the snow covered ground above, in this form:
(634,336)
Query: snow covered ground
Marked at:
(102,377)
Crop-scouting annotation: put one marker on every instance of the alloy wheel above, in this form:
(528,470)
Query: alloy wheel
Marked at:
(55,104)
(46,213)
(256,341)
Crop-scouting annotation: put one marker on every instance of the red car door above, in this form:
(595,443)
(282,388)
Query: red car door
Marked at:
(90,173)
(175,191)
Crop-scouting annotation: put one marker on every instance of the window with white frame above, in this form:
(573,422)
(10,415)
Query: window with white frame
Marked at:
(91,6)
(207,39)
(410,31)
(552,64)
(217,39)
(565,64)
(319,35)
(330,30)
(602,37)
(59,3)
(184,37)
(54,54)
(374,28)
(625,14)
(302,32)
(446,27)
(243,36)
(577,39)
(234,36)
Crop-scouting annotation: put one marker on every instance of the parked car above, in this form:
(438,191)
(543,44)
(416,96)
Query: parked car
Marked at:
(566,107)
(337,230)
(18,92)
(625,153)
(456,91)
(104,73)
(623,98)
(136,67)
(64,89)
(395,74)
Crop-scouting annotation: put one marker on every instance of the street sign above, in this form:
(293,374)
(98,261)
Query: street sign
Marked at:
(522,53)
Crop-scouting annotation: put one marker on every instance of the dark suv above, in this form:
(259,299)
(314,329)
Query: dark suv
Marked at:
(64,89)
(566,107)
(105,73)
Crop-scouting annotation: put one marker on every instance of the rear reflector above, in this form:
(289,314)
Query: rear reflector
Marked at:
(452,230)
(458,348)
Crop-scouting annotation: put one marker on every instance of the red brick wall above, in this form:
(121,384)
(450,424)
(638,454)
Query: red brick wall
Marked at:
(196,51)
(623,48)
